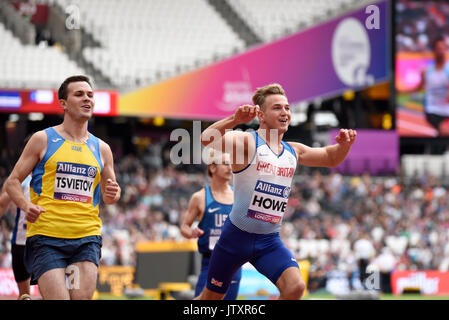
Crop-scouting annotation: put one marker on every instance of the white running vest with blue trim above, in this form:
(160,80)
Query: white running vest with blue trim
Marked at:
(261,190)
(20,226)
(437,90)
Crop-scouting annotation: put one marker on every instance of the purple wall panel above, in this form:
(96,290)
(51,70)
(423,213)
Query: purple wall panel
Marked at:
(375,152)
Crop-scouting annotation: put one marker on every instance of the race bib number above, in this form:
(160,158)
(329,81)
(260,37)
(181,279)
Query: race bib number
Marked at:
(74,182)
(268,202)
(214,235)
(213,241)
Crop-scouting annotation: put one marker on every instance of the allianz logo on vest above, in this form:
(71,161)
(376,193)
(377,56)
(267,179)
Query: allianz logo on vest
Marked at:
(76,168)
(273,189)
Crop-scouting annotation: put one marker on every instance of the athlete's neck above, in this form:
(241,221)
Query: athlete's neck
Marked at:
(221,191)
(272,137)
(219,185)
(74,131)
(439,63)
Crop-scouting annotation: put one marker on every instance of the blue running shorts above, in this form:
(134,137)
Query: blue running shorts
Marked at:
(233,290)
(266,252)
(44,253)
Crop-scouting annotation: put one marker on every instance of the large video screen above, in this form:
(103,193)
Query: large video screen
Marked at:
(422,73)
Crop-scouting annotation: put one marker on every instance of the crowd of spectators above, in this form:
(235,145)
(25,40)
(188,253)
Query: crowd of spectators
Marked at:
(418,23)
(407,219)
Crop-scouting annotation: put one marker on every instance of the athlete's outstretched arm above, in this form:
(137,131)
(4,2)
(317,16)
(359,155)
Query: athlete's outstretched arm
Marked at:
(109,187)
(30,157)
(329,156)
(195,210)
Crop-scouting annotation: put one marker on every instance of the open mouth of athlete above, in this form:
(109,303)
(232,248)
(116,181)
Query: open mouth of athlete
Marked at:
(283,121)
(86,107)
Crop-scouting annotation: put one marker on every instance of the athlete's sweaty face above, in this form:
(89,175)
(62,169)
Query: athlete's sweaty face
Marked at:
(80,100)
(275,113)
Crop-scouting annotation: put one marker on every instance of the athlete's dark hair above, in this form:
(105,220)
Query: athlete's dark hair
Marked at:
(439,38)
(62,91)
(209,172)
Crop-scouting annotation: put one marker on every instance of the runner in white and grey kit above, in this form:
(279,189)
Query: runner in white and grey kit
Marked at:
(18,239)
(262,182)
(262,189)
(435,82)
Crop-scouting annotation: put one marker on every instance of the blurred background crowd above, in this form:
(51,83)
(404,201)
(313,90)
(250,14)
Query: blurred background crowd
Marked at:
(164,64)
(419,22)
(405,222)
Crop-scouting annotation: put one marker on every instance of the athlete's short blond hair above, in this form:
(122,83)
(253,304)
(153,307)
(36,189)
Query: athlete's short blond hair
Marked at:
(263,92)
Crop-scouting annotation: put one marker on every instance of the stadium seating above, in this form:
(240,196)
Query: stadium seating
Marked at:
(273,19)
(141,42)
(145,41)
(436,165)
(30,66)
(313,248)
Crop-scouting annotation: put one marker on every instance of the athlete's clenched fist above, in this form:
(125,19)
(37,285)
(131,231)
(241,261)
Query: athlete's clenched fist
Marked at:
(111,189)
(246,113)
(346,137)
(33,212)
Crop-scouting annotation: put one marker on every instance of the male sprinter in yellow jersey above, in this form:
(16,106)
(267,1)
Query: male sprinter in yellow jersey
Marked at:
(70,169)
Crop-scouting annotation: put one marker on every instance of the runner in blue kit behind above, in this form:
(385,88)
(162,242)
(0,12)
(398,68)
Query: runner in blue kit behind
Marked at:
(263,167)
(211,206)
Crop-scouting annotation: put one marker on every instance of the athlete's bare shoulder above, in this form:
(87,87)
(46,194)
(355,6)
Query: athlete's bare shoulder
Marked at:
(39,136)
(105,152)
(103,145)
(197,203)
(237,133)
(37,144)
(199,196)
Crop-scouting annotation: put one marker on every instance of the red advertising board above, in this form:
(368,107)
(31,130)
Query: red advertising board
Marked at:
(8,286)
(46,101)
(37,13)
(429,282)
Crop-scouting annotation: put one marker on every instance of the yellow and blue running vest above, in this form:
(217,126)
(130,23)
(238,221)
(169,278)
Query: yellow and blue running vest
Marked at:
(66,183)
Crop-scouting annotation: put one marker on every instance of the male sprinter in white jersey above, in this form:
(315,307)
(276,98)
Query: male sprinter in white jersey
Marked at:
(211,206)
(71,169)
(263,167)
(21,274)
(435,82)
